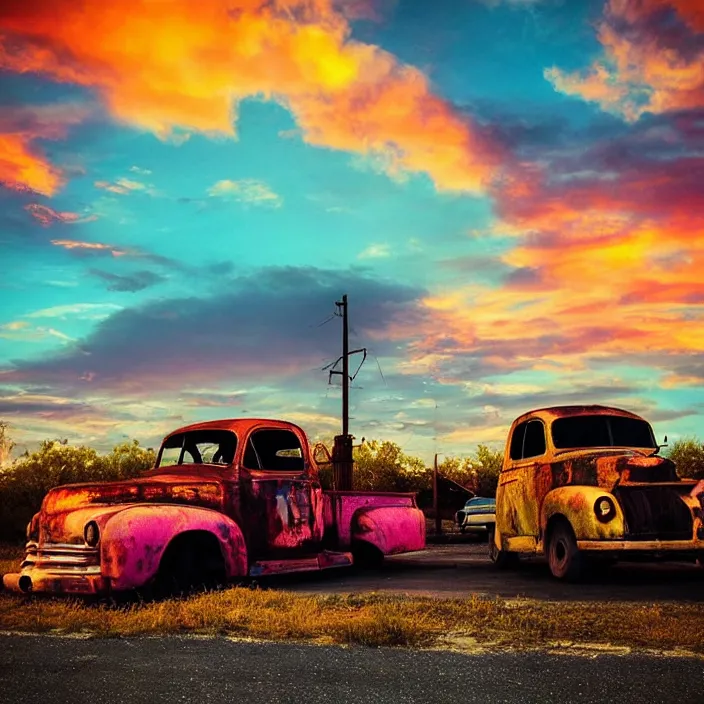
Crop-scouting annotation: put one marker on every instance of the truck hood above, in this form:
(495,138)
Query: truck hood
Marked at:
(607,467)
(66,509)
(168,488)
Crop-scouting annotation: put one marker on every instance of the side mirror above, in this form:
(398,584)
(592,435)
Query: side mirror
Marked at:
(664,444)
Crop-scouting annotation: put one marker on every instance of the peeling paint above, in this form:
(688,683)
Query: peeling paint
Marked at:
(272,518)
(650,501)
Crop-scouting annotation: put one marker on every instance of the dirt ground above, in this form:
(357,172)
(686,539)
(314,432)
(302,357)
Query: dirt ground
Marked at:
(459,570)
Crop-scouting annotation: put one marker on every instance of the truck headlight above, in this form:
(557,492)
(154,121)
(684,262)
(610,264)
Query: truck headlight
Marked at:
(91,534)
(604,509)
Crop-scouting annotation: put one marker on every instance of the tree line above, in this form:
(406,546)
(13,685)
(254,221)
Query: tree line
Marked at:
(380,465)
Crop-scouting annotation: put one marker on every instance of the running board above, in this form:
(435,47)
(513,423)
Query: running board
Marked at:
(322,561)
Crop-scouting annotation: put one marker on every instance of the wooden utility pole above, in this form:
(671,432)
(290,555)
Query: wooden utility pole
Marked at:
(342,449)
(345,367)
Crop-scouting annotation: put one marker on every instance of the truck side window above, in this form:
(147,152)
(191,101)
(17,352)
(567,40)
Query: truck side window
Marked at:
(516,451)
(274,450)
(534,443)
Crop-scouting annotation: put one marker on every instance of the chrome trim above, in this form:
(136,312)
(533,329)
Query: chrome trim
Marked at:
(61,570)
(61,556)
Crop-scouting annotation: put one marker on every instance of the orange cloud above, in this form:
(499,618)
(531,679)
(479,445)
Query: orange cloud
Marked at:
(597,85)
(646,67)
(606,265)
(23,166)
(184,66)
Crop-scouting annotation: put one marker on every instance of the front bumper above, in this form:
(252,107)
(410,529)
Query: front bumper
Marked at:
(40,581)
(654,546)
(478,521)
(54,568)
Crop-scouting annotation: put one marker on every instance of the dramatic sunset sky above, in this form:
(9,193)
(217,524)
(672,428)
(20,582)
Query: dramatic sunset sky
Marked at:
(509,191)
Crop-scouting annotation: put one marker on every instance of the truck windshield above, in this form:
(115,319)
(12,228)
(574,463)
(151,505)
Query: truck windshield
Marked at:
(601,431)
(198,447)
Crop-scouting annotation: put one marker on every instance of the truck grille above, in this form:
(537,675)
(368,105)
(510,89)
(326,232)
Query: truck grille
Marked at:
(655,513)
(62,557)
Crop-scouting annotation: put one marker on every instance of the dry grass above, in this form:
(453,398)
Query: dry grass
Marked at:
(10,557)
(367,619)
(364,619)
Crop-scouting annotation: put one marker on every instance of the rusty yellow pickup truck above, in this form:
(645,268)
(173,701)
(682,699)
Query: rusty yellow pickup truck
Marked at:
(585,485)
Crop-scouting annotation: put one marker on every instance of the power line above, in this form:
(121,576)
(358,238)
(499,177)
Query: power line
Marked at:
(380,372)
(325,321)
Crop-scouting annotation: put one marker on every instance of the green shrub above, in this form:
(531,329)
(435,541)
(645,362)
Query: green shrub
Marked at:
(25,482)
(688,456)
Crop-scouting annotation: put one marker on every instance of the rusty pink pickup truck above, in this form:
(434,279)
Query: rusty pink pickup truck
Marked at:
(226,500)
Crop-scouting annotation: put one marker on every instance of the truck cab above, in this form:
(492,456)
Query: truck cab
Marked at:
(583,483)
(226,499)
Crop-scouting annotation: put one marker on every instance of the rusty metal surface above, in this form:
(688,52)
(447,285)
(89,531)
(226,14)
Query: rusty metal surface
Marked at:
(242,427)
(340,508)
(392,529)
(576,503)
(282,514)
(323,560)
(655,546)
(135,539)
(48,581)
(651,502)
(551,413)
(258,516)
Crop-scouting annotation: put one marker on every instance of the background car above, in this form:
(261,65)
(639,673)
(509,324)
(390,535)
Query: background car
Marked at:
(477,515)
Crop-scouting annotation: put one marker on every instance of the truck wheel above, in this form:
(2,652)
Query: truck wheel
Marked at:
(565,560)
(501,558)
(192,562)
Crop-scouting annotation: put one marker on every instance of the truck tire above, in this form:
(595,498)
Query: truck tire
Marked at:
(501,558)
(193,562)
(564,558)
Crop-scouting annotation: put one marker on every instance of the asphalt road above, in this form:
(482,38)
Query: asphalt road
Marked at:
(40,669)
(461,569)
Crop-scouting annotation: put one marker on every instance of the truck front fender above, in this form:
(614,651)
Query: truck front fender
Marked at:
(391,529)
(133,541)
(577,505)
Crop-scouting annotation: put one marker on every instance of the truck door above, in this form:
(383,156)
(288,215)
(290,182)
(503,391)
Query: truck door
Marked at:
(517,509)
(281,500)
